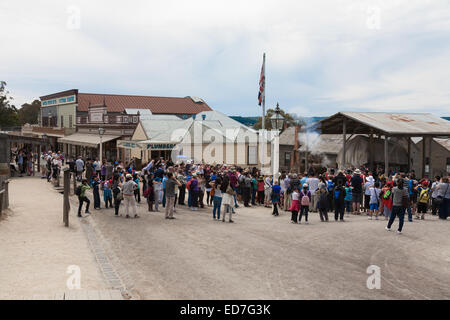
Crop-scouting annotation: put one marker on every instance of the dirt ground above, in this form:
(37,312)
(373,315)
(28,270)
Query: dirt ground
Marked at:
(35,247)
(265,257)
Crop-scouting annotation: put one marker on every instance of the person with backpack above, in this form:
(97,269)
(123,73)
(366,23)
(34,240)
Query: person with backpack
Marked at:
(339,196)
(157,187)
(423,197)
(96,192)
(347,199)
(400,201)
(117,193)
(295,205)
(374,201)
(276,193)
(305,201)
(386,199)
(81,193)
(149,193)
(323,203)
(107,194)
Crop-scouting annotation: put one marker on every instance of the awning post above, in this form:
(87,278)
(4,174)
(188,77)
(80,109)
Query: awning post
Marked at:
(386,156)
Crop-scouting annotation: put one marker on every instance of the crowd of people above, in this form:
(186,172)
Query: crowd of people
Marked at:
(224,188)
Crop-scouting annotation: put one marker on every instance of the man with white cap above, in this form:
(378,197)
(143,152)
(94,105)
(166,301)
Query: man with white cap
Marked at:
(128,195)
(357,183)
(367,192)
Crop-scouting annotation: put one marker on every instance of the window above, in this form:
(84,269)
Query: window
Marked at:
(252,155)
(62,122)
(448,165)
(287,159)
(427,165)
(70,121)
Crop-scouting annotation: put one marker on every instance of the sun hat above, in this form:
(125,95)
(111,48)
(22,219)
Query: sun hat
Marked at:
(305,185)
(129,176)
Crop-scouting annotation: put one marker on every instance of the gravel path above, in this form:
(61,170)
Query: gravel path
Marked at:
(36,248)
(266,257)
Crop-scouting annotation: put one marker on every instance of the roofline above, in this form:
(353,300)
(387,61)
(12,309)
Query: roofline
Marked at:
(59,94)
(346,114)
(135,95)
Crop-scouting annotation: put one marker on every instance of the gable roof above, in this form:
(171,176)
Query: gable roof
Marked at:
(162,105)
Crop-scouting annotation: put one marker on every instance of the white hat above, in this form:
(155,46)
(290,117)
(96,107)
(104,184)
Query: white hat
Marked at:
(357,171)
(305,185)
(128,176)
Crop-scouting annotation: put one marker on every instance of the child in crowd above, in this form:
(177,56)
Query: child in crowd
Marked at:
(305,200)
(295,206)
(375,192)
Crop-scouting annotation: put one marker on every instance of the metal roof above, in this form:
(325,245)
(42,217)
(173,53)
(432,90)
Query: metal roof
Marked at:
(86,139)
(411,124)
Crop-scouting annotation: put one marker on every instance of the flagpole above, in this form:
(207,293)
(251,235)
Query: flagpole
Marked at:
(263,122)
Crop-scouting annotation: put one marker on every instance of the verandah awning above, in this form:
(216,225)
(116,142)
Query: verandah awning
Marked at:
(86,139)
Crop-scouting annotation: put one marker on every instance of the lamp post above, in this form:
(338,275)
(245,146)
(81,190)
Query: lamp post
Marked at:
(44,137)
(277,121)
(101,131)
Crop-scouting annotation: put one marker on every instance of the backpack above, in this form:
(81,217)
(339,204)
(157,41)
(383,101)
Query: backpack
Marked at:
(424,196)
(337,193)
(305,200)
(78,191)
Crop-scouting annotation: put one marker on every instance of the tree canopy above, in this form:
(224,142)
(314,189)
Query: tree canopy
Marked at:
(10,116)
(289,120)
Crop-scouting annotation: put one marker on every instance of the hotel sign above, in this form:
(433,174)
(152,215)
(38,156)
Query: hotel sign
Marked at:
(57,101)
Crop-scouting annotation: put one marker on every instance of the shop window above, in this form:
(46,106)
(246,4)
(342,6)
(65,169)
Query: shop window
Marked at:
(448,165)
(62,122)
(70,121)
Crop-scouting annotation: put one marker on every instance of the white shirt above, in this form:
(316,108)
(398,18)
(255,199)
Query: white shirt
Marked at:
(434,194)
(295,195)
(313,184)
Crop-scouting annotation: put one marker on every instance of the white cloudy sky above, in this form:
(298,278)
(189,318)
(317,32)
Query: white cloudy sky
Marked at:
(322,56)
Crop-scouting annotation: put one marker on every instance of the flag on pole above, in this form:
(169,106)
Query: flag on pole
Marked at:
(262,82)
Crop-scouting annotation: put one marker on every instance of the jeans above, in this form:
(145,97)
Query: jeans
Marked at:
(182,194)
(217,201)
(253,197)
(81,200)
(275,208)
(338,210)
(410,219)
(400,212)
(347,205)
(304,210)
(116,206)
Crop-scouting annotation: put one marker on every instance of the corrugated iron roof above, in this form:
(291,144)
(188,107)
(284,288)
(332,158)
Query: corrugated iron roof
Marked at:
(118,103)
(390,123)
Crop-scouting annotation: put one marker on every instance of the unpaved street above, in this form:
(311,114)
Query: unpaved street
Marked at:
(266,257)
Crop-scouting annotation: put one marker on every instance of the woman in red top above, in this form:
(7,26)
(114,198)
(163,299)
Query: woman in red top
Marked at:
(260,190)
(386,199)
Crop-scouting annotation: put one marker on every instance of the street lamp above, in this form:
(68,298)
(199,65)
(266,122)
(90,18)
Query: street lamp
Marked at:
(101,132)
(44,137)
(277,119)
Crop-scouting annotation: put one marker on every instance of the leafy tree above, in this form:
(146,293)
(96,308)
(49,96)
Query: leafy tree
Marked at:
(289,120)
(29,113)
(8,112)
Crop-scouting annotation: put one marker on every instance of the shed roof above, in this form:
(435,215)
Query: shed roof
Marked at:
(411,124)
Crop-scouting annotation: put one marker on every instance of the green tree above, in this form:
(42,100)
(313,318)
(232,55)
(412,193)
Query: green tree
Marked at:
(289,120)
(29,113)
(8,112)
